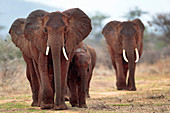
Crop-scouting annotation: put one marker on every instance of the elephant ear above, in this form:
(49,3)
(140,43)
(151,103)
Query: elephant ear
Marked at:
(140,28)
(110,32)
(33,29)
(17,35)
(79,25)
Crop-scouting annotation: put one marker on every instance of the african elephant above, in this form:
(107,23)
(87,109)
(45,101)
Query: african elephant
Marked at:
(125,45)
(54,36)
(16,32)
(80,73)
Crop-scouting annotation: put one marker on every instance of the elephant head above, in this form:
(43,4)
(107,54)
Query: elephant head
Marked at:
(57,32)
(130,37)
(126,38)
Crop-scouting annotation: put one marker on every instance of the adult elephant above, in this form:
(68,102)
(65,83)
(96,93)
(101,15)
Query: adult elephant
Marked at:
(16,32)
(125,45)
(55,35)
(80,74)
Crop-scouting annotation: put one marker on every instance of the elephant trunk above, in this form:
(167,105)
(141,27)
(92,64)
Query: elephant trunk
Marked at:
(83,74)
(83,87)
(131,66)
(56,44)
(56,54)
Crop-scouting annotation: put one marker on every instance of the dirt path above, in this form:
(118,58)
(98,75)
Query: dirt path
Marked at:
(152,95)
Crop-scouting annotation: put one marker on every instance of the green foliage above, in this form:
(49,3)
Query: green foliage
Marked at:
(97,24)
(11,105)
(161,22)
(3,98)
(8,51)
(134,13)
(159,45)
(123,104)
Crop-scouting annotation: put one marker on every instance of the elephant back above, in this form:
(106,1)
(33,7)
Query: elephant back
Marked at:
(16,31)
(93,55)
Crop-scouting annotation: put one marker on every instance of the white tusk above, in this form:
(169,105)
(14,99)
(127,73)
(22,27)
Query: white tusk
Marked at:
(47,50)
(64,52)
(124,56)
(137,55)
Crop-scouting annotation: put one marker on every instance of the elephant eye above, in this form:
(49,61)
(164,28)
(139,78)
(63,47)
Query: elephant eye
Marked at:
(65,29)
(45,30)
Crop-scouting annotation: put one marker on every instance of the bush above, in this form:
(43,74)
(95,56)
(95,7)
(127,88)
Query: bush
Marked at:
(11,63)
(9,51)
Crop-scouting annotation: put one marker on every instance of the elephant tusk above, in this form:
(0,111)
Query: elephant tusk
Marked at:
(47,50)
(124,56)
(137,55)
(64,52)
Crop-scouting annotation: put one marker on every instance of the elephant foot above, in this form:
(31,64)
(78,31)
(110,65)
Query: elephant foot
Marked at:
(73,102)
(88,96)
(83,106)
(76,105)
(60,107)
(35,100)
(34,104)
(121,87)
(131,88)
(46,106)
(38,104)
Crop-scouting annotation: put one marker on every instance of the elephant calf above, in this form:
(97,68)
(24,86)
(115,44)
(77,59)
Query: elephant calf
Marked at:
(80,73)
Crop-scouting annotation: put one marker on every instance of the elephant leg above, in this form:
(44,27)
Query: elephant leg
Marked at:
(35,84)
(81,95)
(71,83)
(47,97)
(67,93)
(39,81)
(131,82)
(88,84)
(125,71)
(31,76)
(120,77)
(73,93)
(116,71)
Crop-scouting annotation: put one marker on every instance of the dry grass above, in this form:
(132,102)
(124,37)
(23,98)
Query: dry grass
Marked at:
(152,95)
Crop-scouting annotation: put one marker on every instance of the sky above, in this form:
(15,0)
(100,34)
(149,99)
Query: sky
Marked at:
(113,8)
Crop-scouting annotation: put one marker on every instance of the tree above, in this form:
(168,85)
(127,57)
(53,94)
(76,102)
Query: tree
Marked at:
(97,24)
(162,23)
(1,27)
(138,13)
(134,13)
